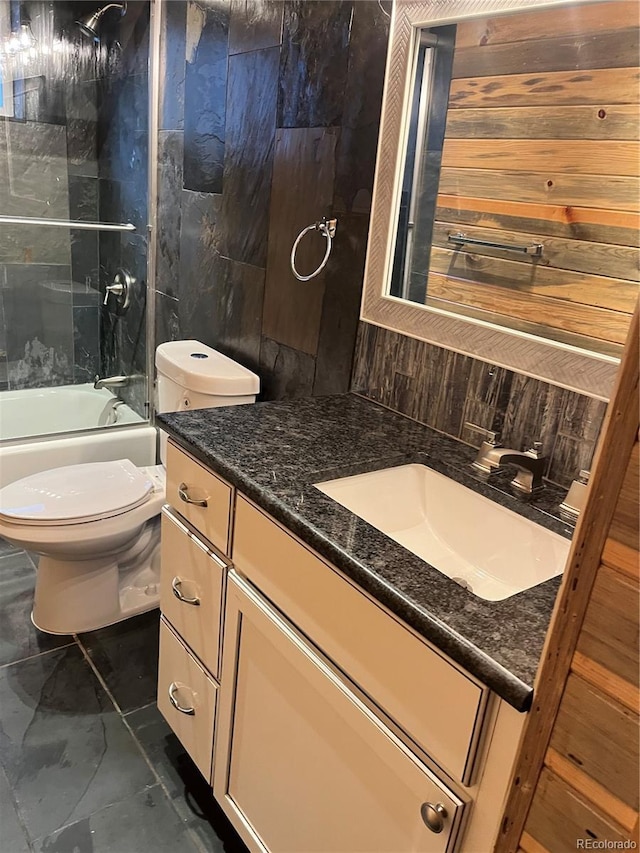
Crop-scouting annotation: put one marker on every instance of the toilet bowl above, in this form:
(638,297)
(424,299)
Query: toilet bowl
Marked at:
(96,526)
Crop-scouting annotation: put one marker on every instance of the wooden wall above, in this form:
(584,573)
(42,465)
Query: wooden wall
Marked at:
(578,770)
(541,146)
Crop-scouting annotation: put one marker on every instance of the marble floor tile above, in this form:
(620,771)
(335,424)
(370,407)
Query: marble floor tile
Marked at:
(13,838)
(65,750)
(126,656)
(190,794)
(18,637)
(7,548)
(145,823)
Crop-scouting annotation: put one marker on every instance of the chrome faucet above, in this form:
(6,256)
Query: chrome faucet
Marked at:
(110,382)
(530,463)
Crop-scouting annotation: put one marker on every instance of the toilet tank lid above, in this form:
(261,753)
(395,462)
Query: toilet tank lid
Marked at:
(200,368)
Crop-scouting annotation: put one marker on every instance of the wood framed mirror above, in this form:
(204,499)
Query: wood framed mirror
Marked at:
(506,202)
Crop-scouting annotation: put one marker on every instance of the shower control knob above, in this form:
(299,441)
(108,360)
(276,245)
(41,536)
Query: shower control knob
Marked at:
(120,287)
(117,288)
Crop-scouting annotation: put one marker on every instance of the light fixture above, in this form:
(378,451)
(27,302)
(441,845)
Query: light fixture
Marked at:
(23,39)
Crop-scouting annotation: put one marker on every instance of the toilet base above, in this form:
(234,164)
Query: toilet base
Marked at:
(74,596)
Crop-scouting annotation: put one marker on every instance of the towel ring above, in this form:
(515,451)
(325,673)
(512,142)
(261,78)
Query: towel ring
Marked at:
(327,227)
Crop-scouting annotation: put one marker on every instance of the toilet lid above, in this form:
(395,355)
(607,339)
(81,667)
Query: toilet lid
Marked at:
(76,493)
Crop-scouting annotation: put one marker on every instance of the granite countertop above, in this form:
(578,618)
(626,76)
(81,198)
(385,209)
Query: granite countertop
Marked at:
(274,453)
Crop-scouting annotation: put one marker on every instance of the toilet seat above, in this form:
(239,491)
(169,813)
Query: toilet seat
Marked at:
(75,494)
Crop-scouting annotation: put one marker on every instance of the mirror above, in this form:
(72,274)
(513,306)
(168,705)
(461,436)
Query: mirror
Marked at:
(505,214)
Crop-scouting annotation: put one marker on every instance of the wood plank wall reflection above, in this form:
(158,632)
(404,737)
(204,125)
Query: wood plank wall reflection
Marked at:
(541,146)
(269,121)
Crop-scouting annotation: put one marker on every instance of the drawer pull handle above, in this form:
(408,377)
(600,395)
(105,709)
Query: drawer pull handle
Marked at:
(173,689)
(176,583)
(433,816)
(183,494)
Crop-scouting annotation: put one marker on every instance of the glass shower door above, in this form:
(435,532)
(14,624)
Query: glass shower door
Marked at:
(74,124)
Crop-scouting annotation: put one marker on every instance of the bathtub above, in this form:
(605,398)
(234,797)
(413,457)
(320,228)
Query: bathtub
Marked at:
(81,425)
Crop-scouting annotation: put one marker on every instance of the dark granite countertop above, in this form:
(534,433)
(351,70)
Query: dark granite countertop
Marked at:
(274,453)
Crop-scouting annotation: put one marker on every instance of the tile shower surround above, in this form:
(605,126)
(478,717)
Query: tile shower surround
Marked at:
(75,150)
(87,763)
(446,391)
(253,94)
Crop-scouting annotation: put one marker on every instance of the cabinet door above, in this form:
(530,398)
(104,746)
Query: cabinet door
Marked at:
(301,764)
(440,707)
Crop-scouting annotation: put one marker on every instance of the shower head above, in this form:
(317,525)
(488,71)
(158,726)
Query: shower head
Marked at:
(90,25)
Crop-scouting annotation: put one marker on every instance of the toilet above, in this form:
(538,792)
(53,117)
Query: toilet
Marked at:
(96,526)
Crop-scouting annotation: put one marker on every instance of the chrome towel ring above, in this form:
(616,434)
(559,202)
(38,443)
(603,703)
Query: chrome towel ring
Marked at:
(327,227)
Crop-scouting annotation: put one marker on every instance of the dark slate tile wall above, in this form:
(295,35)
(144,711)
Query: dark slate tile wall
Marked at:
(205,95)
(313,63)
(38,325)
(122,140)
(248,165)
(452,392)
(249,156)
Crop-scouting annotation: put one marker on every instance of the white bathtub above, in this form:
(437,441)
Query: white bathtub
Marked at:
(43,428)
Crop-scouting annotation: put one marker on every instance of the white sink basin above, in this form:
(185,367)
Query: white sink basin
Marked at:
(483,546)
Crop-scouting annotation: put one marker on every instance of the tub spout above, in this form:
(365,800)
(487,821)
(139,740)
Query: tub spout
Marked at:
(110,382)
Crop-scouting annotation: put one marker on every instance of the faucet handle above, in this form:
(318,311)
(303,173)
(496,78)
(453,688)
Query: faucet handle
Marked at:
(489,437)
(535,451)
(576,497)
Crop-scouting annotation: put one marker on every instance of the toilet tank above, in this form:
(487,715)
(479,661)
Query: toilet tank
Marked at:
(191,375)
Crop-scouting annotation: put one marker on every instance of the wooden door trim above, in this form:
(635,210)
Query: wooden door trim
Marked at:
(616,441)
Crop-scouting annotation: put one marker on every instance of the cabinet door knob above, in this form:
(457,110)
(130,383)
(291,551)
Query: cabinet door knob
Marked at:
(183,494)
(433,816)
(173,689)
(176,583)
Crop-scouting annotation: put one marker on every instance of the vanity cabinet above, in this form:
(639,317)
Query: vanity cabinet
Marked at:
(321,720)
(301,762)
(195,535)
(442,710)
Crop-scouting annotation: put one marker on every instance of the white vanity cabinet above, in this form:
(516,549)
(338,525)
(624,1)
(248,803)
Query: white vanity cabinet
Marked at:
(322,721)
(192,584)
(302,764)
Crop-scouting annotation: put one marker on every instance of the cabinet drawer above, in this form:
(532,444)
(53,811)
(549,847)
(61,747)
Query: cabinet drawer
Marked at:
(186,699)
(200,496)
(191,588)
(302,762)
(438,705)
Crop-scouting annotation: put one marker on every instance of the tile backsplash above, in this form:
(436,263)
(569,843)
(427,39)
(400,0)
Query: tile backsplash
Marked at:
(449,392)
